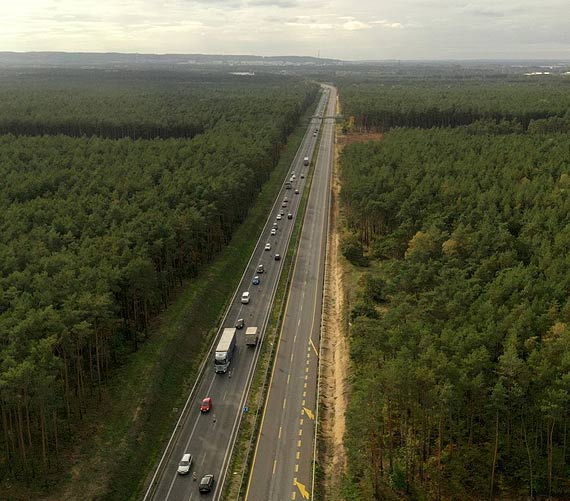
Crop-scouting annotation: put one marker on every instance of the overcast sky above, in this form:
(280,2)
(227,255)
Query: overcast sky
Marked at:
(344,29)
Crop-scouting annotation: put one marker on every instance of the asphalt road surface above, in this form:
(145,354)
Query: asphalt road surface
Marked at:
(283,463)
(210,437)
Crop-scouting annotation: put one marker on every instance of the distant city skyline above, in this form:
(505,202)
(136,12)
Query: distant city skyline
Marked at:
(337,29)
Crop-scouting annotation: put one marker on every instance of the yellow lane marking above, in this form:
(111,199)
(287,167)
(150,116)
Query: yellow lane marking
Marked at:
(296,468)
(301,421)
(298,443)
(298,454)
(314,348)
(300,431)
(304,394)
(302,489)
(309,413)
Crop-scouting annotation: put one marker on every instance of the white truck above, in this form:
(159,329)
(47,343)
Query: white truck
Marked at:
(225,349)
(251,336)
(306,161)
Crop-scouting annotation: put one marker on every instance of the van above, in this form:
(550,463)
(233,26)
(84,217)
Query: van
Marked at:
(245,298)
(185,464)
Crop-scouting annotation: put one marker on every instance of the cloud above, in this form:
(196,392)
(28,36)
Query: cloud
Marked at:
(393,25)
(284,4)
(355,25)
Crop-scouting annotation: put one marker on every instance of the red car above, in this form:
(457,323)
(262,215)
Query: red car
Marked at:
(206,405)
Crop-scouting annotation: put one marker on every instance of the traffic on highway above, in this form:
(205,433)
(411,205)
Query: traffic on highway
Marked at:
(196,458)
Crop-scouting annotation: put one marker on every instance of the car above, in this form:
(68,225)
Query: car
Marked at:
(314,134)
(273,231)
(289,216)
(255,280)
(185,464)
(240,323)
(284,204)
(245,297)
(259,268)
(279,217)
(292,172)
(302,176)
(277,257)
(206,483)
(282,212)
(285,200)
(267,246)
(206,405)
(294,177)
(296,192)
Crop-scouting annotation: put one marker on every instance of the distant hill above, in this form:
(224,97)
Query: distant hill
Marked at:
(121,59)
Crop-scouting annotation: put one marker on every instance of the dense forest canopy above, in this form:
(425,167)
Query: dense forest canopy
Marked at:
(135,104)
(392,103)
(460,337)
(96,232)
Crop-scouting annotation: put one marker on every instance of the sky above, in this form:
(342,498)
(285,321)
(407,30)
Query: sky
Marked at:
(340,29)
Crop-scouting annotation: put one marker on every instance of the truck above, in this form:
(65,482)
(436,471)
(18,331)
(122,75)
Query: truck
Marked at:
(225,350)
(251,336)
(306,161)
(287,185)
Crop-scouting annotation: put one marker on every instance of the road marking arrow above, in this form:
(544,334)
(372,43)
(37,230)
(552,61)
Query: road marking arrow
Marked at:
(302,489)
(309,413)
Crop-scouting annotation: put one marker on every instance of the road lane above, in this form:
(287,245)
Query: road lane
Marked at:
(283,459)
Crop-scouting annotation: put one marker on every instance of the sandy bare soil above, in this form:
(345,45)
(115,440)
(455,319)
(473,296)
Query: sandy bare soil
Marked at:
(359,137)
(334,359)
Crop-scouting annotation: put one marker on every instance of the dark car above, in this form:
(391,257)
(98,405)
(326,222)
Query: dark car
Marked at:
(255,280)
(296,192)
(277,257)
(302,176)
(206,483)
(206,405)
(240,323)
(289,216)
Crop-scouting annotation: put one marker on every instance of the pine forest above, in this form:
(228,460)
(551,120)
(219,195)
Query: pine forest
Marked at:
(459,222)
(116,187)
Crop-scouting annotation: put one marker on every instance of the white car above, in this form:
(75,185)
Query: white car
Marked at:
(273,231)
(245,297)
(267,246)
(279,217)
(185,464)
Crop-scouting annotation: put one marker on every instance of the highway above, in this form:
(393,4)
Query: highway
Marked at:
(283,461)
(210,437)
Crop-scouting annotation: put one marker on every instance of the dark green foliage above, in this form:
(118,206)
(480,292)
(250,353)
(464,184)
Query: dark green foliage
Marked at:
(351,248)
(97,233)
(511,105)
(462,382)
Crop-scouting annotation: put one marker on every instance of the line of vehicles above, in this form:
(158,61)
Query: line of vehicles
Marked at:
(225,349)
